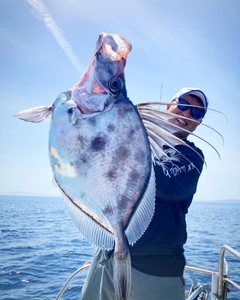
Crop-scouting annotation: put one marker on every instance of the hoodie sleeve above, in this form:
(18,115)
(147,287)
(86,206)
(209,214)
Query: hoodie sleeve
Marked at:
(177,177)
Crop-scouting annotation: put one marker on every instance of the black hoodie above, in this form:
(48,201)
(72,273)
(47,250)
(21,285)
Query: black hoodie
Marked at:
(159,251)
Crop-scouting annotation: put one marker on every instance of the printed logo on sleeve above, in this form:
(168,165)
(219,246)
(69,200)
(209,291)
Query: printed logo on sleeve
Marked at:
(170,168)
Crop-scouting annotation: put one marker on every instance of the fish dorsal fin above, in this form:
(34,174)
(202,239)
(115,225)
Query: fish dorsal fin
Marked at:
(157,122)
(161,132)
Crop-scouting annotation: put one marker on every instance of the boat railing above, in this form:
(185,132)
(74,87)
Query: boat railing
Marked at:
(217,288)
(85,266)
(220,280)
(220,269)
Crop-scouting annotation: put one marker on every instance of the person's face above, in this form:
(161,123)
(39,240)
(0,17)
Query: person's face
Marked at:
(189,124)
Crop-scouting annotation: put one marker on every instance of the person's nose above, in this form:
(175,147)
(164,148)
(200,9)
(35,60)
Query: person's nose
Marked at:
(187,113)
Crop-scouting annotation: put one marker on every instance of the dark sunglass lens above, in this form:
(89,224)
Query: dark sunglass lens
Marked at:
(196,113)
(184,106)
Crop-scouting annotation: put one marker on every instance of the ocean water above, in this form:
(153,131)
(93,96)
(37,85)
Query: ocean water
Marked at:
(40,247)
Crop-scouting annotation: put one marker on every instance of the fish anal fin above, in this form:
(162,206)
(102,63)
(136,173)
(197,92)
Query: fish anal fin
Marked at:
(90,228)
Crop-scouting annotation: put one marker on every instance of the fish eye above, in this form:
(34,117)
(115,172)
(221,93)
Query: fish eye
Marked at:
(114,85)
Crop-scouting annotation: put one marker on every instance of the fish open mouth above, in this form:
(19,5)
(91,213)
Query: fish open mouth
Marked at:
(113,46)
(103,82)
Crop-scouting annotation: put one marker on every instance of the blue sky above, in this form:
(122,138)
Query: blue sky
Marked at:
(46,45)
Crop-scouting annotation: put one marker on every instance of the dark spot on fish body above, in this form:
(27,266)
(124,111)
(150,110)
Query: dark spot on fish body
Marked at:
(84,159)
(123,203)
(111,128)
(80,161)
(122,153)
(92,121)
(134,176)
(138,127)
(123,110)
(82,140)
(108,211)
(111,175)
(131,134)
(98,143)
(139,155)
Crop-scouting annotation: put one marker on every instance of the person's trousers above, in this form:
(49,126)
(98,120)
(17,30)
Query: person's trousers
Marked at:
(99,285)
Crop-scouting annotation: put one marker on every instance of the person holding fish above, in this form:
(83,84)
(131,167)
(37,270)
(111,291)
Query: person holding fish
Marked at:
(128,175)
(157,258)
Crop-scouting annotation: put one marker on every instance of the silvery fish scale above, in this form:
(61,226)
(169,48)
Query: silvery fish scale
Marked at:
(102,163)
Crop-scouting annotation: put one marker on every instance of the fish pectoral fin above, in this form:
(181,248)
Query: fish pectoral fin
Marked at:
(34,115)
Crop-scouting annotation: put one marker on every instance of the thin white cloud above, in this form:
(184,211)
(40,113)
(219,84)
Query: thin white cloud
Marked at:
(41,11)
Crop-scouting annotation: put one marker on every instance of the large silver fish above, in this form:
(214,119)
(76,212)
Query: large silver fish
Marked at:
(101,149)
(100,156)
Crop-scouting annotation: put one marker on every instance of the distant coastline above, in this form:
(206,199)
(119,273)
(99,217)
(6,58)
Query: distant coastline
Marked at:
(29,194)
(25,194)
(206,200)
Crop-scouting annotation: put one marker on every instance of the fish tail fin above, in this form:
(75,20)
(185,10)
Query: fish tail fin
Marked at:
(34,115)
(122,277)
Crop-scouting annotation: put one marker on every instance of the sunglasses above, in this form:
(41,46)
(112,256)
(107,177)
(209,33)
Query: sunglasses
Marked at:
(195,112)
